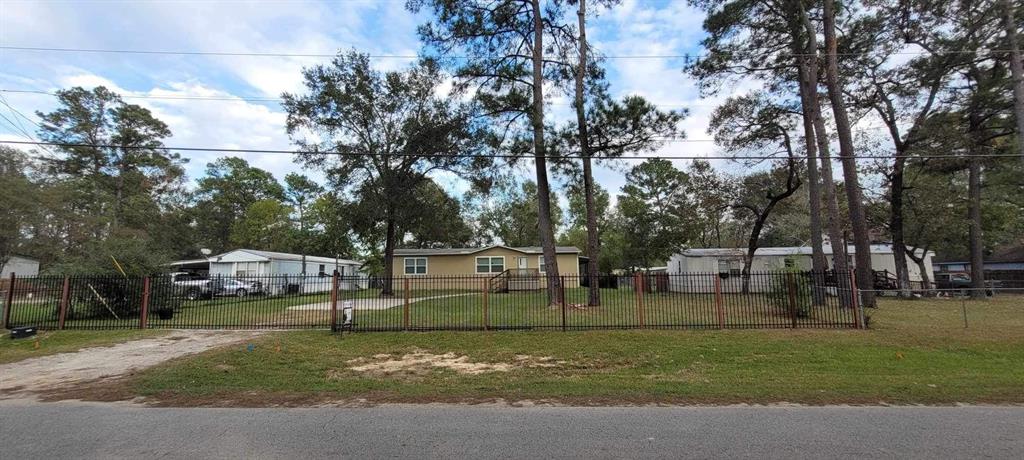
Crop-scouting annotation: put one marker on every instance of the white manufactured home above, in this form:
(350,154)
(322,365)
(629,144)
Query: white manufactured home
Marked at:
(20,266)
(727,265)
(284,271)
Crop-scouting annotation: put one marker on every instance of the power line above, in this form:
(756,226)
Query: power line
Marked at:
(469,155)
(688,56)
(265,99)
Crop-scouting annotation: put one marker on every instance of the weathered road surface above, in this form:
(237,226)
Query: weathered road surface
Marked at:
(66,430)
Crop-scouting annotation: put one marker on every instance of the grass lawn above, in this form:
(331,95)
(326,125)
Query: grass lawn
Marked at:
(51,342)
(916,352)
(456,309)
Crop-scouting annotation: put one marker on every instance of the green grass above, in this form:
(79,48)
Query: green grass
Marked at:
(916,352)
(461,310)
(52,342)
(618,309)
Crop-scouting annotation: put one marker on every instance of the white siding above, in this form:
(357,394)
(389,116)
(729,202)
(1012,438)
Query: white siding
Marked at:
(20,266)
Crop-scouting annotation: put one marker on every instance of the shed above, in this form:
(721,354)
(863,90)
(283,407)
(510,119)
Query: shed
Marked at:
(283,269)
(20,266)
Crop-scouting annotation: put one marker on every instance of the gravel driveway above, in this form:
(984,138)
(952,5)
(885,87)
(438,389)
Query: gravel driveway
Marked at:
(32,376)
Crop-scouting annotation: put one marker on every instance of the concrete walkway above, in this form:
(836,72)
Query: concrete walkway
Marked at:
(376,303)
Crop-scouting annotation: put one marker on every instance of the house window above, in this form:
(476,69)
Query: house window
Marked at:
(490,264)
(247,268)
(415,265)
(323,270)
(729,266)
(540,264)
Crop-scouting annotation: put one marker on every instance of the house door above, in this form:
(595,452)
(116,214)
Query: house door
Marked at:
(521,263)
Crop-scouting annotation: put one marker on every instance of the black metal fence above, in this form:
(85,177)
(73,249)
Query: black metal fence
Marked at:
(421,303)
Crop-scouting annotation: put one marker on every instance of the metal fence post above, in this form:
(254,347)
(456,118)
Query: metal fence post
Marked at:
(65,294)
(144,308)
(718,302)
(963,309)
(791,290)
(638,286)
(405,307)
(561,283)
(9,303)
(334,301)
(486,288)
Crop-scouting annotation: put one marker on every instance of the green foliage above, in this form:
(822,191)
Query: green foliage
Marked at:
(102,199)
(785,282)
(20,203)
(653,208)
(117,297)
(387,158)
(438,221)
(512,218)
(225,194)
(137,254)
(266,225)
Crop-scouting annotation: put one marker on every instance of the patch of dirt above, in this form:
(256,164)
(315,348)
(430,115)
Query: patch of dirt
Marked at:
(422,362)
(66,373)
(695,373)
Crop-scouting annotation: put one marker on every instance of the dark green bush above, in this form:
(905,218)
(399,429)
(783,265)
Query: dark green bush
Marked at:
(105,297)
(780,287)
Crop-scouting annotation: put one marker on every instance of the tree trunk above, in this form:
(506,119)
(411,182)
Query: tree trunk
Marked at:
(1017,70)
(926,281)
(593,244)
(899,244)
(387,289)
(828,186)
(854,196)
(755,236)
(547,233)
(818,262)
(119,190)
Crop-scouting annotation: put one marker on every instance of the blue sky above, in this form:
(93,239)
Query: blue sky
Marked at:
(636,27)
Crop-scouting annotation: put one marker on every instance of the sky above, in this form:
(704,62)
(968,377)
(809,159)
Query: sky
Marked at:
(379,27)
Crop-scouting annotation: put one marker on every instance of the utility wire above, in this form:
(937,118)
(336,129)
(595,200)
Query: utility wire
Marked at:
(469,155)
(688,56)
(265,99)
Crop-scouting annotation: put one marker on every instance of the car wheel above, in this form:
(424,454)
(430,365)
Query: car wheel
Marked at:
(241,293)
(193,294)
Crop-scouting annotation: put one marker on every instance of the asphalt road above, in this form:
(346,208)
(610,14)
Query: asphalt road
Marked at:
(103,431)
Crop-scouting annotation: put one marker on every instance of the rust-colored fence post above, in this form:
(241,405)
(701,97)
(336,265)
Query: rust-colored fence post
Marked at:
(405,308)
(719,307)
(486,288)
(144,308)
(638,286)
(9,303)
(65,298)
(791,290)
(334,301)
(561,283)
(855,301)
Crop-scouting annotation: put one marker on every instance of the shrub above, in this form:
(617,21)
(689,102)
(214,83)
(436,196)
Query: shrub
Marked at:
(105,297)
(780,287)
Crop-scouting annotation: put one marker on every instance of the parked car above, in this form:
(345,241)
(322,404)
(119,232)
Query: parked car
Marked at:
(961,281)
(236,287)
(193,285)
